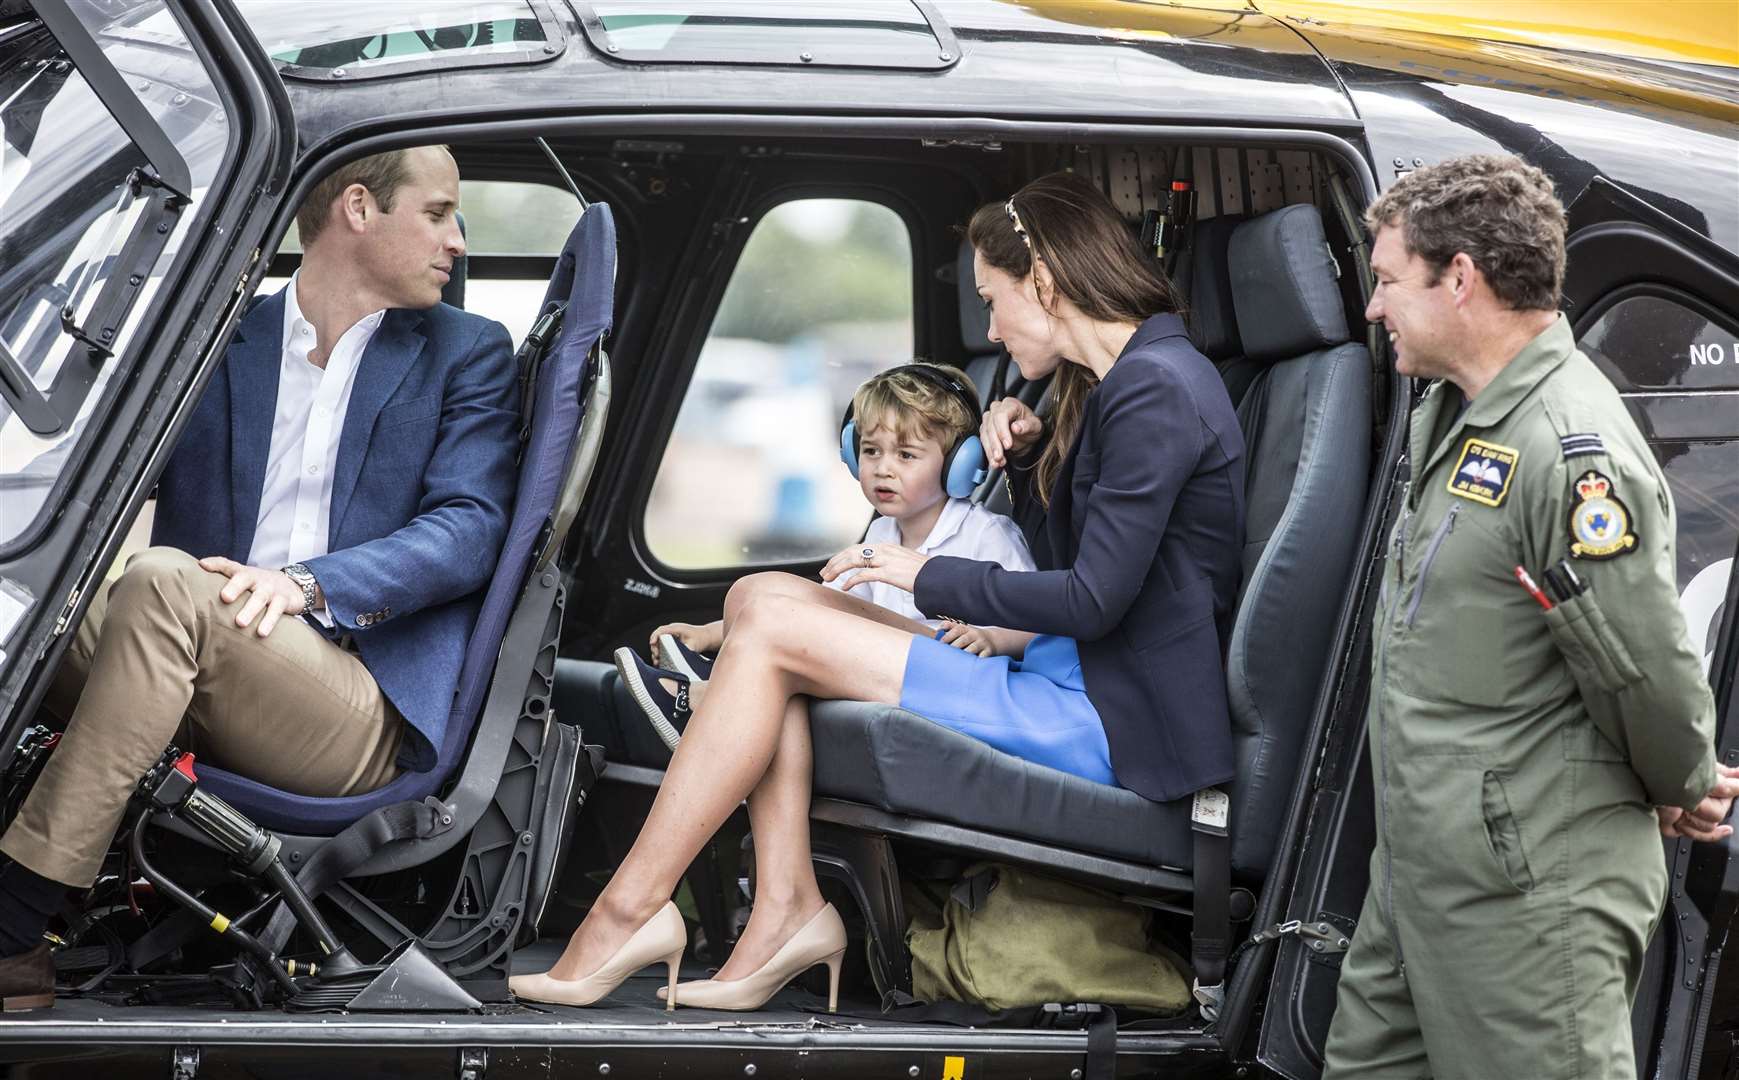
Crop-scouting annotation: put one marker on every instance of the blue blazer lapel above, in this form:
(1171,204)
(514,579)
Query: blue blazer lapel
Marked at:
(385,363)
(251,365)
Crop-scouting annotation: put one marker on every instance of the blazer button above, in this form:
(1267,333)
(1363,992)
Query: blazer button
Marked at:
(364,619)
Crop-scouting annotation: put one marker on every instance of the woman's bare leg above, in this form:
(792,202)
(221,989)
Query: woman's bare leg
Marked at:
(786,892)
(780,647)
(778,583)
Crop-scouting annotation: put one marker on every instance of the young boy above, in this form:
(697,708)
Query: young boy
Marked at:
(909,427)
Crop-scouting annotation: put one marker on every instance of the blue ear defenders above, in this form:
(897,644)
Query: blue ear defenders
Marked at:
(963,466)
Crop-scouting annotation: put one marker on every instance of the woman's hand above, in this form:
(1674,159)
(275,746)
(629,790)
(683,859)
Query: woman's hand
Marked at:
(1008,428)
(702,639)
(976,640)
(890,564)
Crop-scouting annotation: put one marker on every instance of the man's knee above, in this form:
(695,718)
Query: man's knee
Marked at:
(163,576)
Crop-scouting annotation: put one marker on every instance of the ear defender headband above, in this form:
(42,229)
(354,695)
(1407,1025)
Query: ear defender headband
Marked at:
(963,465)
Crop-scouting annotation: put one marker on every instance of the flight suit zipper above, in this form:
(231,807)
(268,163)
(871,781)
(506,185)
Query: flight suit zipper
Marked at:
(1398,555)
(1444,528)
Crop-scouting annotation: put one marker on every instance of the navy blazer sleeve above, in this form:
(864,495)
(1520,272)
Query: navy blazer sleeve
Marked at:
(1149,439)
(449,550)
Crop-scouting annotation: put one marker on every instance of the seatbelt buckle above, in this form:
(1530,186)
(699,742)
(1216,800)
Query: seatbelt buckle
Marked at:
(1208,998)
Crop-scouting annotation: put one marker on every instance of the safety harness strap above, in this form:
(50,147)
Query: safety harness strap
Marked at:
(342,854)
(1211,929)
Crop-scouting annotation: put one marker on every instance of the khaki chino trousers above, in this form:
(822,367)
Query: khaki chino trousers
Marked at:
(159,659)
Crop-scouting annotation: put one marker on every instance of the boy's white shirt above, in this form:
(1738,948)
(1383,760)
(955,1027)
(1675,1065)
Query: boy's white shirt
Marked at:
(965,530)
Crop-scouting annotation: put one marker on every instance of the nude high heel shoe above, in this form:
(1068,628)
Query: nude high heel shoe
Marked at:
(820,941)
(662,937)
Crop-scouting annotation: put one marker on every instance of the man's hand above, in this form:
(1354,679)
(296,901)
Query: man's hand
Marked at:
(273,593)
(1704,821)
(976,640)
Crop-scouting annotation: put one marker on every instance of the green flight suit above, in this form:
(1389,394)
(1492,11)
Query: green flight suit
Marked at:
(1517,753)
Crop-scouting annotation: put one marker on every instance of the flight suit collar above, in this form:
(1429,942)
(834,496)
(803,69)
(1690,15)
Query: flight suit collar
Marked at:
(1538,359)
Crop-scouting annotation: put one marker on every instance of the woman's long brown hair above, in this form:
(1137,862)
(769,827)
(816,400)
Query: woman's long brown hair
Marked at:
(1094,262)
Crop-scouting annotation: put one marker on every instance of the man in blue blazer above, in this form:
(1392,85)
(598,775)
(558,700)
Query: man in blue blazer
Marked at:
(323,533)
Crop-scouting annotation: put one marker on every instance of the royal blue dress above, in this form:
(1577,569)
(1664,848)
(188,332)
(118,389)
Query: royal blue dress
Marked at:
(1035,708)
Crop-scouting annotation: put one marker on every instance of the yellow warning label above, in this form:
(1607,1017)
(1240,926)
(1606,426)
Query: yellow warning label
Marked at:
(953,1068)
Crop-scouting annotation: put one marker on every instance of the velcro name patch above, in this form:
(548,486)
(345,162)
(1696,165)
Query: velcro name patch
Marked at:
(1483,472)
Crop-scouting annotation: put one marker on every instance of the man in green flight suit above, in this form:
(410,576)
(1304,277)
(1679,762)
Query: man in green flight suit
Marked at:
(1537,709)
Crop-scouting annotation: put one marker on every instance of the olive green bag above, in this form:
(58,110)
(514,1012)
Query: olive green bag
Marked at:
(1006,937)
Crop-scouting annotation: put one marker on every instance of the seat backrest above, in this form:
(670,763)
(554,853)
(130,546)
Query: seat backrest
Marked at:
(585,278)
(1213,317)
(1306,422)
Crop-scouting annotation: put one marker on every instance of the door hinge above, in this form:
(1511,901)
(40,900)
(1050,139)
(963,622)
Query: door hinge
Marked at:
(1322,937)
(473,1062)
(60,625)
(184,1065)
(241,285)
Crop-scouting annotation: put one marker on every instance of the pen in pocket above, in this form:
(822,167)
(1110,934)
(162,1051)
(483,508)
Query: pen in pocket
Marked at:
(1533,590)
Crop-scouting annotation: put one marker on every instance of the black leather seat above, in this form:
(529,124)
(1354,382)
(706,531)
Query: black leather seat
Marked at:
(1305,418)
(1213,316)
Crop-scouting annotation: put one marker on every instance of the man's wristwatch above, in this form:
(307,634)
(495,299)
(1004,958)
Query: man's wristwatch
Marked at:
(304,579)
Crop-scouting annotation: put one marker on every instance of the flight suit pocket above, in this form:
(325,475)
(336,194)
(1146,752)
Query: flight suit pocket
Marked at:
(1597,657)
(1503,835)
(1601,666)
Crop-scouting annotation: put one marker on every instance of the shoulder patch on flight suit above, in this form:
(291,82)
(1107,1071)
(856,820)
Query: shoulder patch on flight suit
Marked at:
(1483,471)
(1599,521)
(1579,445)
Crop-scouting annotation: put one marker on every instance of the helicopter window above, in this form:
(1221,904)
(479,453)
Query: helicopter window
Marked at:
(98,147)
(811,33)
(351,41)
(1677,367)
(821,298)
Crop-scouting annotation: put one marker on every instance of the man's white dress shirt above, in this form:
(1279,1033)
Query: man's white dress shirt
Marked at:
(296,503)
(965,530)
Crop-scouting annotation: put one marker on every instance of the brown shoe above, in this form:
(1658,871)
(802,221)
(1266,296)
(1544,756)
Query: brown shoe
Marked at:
(27,980)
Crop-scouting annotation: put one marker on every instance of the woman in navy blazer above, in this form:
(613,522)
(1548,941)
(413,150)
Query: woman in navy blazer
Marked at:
(1138,474)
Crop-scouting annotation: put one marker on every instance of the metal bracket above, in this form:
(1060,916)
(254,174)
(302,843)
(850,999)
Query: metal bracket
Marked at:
(473,1062)
(184,1064)
(1322,937)
(1209,999)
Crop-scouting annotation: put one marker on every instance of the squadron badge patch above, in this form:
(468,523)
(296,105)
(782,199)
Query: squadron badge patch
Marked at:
(1483,472)
(1599,522)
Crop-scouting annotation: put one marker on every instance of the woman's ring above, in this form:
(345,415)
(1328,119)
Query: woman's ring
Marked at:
(869,553)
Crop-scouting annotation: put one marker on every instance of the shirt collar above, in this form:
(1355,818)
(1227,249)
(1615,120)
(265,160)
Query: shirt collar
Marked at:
(947,526)
(294,318)
(1536,360)
(1155,328)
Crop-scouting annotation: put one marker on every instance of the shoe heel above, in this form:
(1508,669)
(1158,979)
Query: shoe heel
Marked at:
(674,963)
(832,963)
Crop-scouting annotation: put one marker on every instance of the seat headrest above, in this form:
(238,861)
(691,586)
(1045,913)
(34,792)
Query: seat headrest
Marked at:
(974,319)
(1283,285)
(1213,321)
